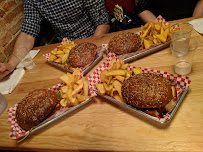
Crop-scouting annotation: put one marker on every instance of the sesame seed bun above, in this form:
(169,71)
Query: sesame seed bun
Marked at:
(35,107)
(125,42)
(82,54)
(147,90)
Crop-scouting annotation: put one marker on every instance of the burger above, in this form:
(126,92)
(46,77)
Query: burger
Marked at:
(149,92)
(35,107)
(125,43)
(82,54)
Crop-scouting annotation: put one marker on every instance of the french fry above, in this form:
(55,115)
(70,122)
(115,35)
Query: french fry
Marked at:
(61,53)
(64,57)
(64,89)
(118,98)
(108,87)
(124,66)
(112,78)
(76,89)
(119,78)
(103,76)
(161,37)
(58,60)
(146,31)
(100,88)
(52,57)
(136,70)
(65,79)
(81,98)
(111,64)
(115,72)
(64,102)
(154,33)
(147,43)
(86,87)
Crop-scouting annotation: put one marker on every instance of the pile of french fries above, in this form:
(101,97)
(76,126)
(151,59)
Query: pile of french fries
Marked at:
(155,32)
(61,53)
(76,89)
(112,78)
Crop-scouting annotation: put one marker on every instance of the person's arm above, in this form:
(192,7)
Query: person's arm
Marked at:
(99,16)
(23,41)
(198,11)
(147,16)
(101,29)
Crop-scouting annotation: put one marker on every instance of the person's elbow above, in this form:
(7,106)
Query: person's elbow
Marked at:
(147,16)
(102,29)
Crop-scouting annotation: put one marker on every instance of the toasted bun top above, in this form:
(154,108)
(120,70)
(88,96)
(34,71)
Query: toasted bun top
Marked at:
(125,43)
(147,90)
(35,107)
(82,54)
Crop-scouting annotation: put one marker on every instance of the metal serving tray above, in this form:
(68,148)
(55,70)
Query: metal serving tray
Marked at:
(133,109)
(85,70)
(58,115)
(143,53)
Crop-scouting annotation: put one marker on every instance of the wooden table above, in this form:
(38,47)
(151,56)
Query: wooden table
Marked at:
(101,126)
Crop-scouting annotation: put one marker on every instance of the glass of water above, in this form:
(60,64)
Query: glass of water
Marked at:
(181,30)
(183,54)
(24,57)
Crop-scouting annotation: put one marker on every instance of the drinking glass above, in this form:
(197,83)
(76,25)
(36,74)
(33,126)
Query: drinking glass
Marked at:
(24,57)
(183,55)
(181,30)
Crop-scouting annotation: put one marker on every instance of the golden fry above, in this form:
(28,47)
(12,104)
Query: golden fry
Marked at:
(115,72)
(100,88)
(108,87)
(52,57)
(154,33)
(119,78)
(118,98)
(74,85)
(81,98)
(147,43)
(136,70)
(86,87)
(161,37)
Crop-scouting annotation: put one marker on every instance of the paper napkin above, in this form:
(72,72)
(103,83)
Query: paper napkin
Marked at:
(197,24)
(8,84)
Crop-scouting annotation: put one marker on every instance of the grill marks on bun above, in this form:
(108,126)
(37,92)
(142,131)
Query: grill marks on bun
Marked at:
(35,107)
(147,90)
(125,43)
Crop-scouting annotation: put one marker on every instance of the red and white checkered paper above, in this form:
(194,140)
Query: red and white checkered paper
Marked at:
(180,82)
(141,50)
(17,131)
(99,53)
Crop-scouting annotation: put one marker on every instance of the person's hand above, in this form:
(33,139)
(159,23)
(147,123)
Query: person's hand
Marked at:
(5,69)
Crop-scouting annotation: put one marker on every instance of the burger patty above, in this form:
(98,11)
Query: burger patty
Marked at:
(125,43)
(147,90)
(82,54)
(35,107)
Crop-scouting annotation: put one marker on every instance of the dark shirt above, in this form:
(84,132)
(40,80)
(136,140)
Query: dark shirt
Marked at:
(169,9)
(73,19)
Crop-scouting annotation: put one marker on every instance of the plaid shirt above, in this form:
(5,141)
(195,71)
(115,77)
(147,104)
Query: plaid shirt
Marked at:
(73,19)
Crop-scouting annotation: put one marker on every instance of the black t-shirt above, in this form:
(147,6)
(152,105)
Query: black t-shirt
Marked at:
(169,9)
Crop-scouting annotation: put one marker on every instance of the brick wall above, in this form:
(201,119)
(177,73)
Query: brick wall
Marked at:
(11,15)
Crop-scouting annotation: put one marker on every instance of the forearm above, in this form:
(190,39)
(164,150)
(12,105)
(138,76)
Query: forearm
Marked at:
(23,41)
(147,16)
(101,29)
(198,11)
